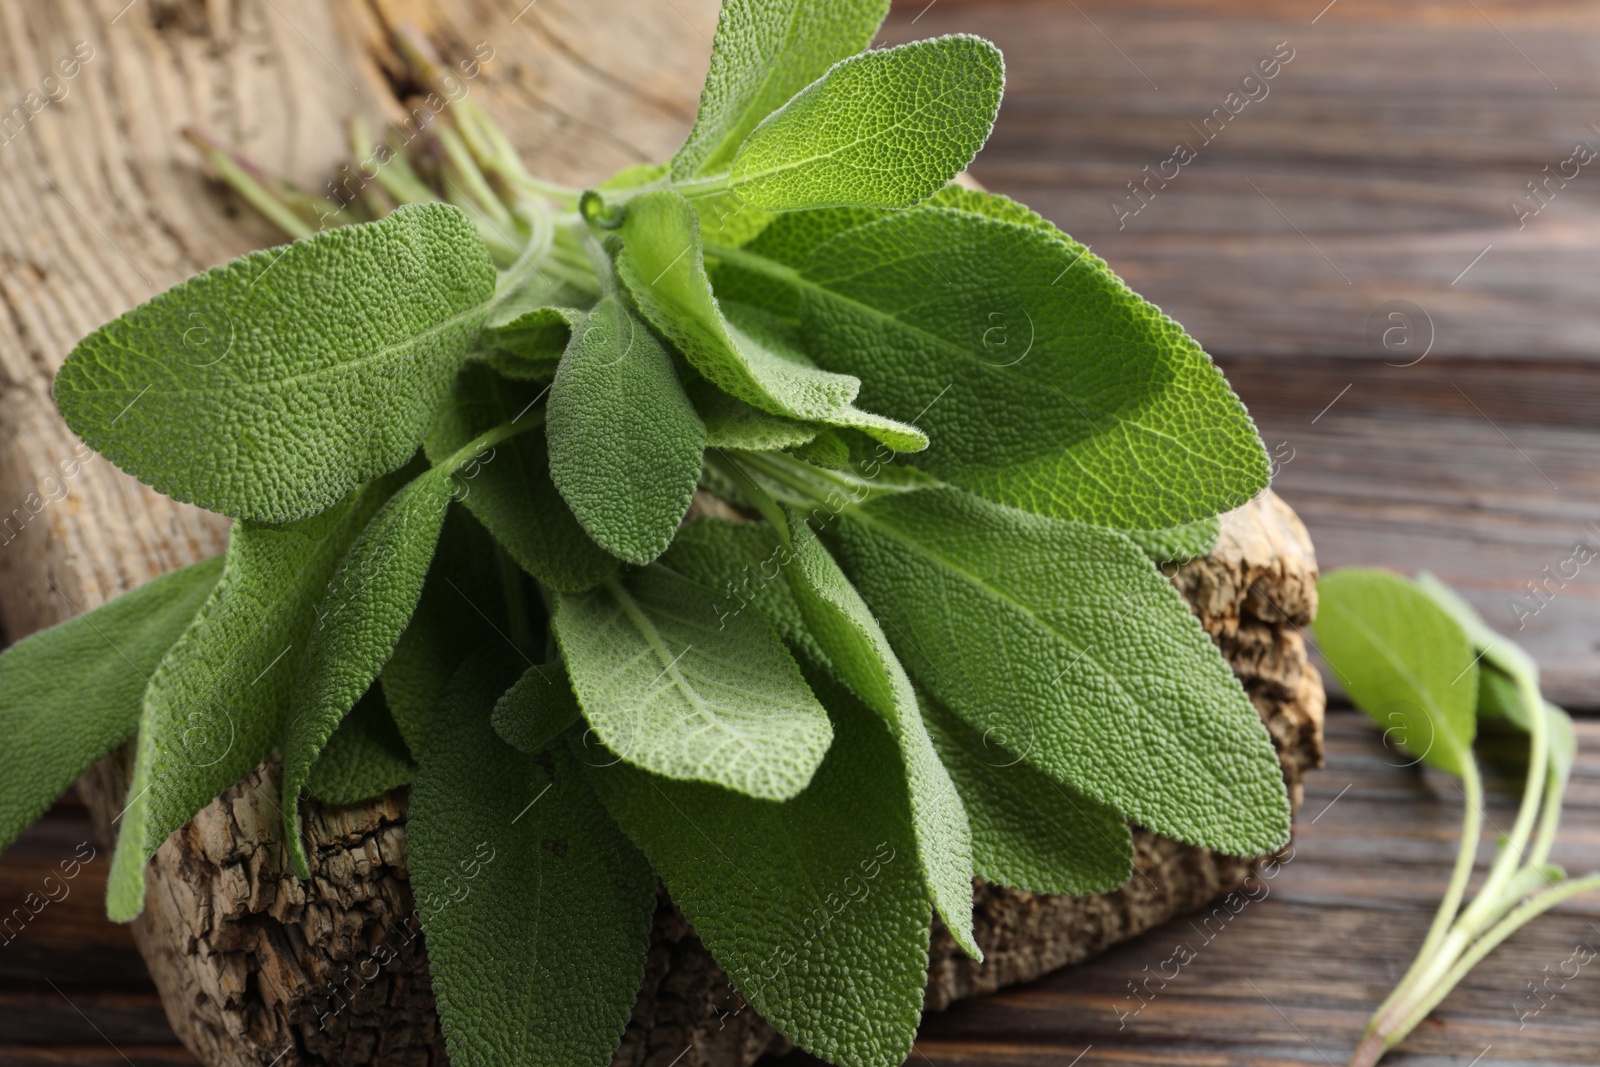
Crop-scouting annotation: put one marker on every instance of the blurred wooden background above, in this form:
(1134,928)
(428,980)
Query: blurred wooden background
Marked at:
(1419,353)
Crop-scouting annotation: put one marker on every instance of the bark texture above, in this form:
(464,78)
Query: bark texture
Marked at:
(256,967)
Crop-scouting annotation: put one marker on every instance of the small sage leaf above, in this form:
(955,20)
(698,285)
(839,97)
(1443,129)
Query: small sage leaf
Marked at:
(625,442)
(885,128)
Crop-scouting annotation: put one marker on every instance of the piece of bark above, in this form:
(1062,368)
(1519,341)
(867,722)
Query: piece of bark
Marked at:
(256,967)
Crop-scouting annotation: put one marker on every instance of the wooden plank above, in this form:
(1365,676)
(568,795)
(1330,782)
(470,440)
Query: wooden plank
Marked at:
(1482,472)
(1377,165)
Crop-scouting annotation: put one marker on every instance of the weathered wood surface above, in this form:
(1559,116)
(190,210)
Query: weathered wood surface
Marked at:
(1395,156)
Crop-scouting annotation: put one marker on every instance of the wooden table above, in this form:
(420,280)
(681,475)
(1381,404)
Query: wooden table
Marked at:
(1377,169)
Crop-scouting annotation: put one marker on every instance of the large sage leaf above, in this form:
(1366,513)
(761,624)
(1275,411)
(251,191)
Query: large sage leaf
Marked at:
(671,687)
(1041,379)
(268,387)
(1063,637)
(217,703)
(362,614)
(535,906)
(859,654)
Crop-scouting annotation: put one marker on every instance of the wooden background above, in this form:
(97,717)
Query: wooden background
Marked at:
(1378,168)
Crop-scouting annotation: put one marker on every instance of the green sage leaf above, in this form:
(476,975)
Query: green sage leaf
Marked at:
(859,654)
(764,52)
(661,264)
(1029,831)
(1404,660)
(536,908)
(72,692)
(1119,692)
(672,687)
(365,758)
(218,701)
(814,907)
(885,128)
(625,442)
(268,387)
(1041,379)
(361,616)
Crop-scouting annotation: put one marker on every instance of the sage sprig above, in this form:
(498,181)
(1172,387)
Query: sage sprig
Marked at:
(1422,663)
(461,422)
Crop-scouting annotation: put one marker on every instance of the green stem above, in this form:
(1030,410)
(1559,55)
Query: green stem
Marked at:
(248,182)
(809,484)
(702,187)
(401,180)
(1486,907)
(477,188)
(769,508)
(1433,994)
(1549,818)
(488,439)
(1466,855)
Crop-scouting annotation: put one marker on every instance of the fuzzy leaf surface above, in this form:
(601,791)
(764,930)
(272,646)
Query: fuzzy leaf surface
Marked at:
(536,908)
(268,387)
(1042,380)
(528,346)
(764,52)
(508,487)
(365,758)
(885,128)
(732,423)
(72,692)
(671,685)
(814,907)
(541,704)
(662,265)
(1404,660)
(363,612)
(218,701)
(1029,831)
(624,441)
(1065,638)
(462,610)
(860,656)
